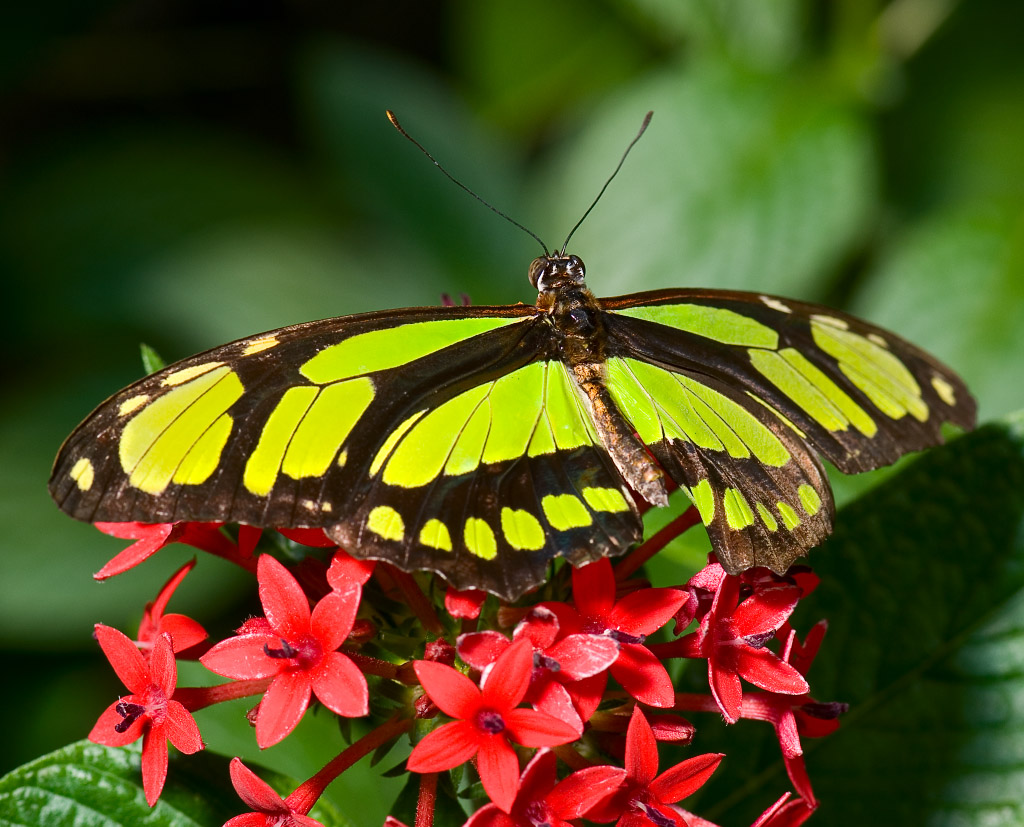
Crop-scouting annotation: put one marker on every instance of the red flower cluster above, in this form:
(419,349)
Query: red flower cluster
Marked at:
(577,682)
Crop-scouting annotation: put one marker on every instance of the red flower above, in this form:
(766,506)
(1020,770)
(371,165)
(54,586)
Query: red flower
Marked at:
(269,809)
(645,797)
(148,712)
(627,622)
(151,537)
(791,716)
(299,648)
(785,813)
(486,721)
(346,570)
(544,800)
(732,636)
(568,677)
(184,631)
(464,604)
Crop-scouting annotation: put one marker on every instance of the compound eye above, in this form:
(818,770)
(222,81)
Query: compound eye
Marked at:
(537,268)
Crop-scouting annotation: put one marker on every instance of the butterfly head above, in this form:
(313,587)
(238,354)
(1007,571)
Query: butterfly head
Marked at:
(550,273)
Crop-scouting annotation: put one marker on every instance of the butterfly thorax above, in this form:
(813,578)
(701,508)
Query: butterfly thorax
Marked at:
(579,338)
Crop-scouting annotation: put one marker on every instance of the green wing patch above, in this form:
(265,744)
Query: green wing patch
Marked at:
(490,485)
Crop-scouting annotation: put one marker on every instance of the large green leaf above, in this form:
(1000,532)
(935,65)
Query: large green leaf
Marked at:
(87,785)
(923,588)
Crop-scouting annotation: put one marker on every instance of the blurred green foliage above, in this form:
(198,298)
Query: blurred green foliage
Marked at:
(182,174)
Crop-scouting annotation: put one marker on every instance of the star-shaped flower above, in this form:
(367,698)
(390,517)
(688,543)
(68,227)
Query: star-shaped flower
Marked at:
(627,622)
(544,800)
(568,674)
(149,711)
(299,648)
(487,720)
(268,808)
(646,797)
(732,637)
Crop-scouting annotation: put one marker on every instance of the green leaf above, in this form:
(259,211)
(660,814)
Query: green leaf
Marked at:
(88,785)
(151,360)
(923,588)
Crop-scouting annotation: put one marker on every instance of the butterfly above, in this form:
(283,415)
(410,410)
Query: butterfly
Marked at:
(482,442)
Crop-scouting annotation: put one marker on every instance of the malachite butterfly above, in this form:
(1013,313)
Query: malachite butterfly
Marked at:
(482,442)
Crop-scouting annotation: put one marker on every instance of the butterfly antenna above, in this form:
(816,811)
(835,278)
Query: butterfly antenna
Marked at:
(622,160)
(454,180)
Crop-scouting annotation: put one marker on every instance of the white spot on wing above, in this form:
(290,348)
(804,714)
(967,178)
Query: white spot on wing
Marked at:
(775,304)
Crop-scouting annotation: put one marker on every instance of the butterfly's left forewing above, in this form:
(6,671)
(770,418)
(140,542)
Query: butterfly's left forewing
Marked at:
(737,394)
(437,438)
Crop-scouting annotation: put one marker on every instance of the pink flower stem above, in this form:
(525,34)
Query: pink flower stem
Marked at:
(416,599)
(571,758)
(646,551)
(375,666)
(693,702)
(199,697)
(247,563)
(427,800)
(307,793)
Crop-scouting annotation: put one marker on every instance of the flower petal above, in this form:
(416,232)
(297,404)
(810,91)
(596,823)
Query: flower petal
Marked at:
(539,777)
(284,602)
(181,729)
(444,748)
(505,685)
(764,669)
(282,707)
(765,610)
(552,698)
(685,778)
(643,676)
(593,588)
(498,767)
(247,820)
(641,750)
(253,790)
(184,631)
(125,658)
(726,690)
(489,816)
(340,686)
(541,626)
(645,611)
(576,795)
(535,729)
(154,763)
(464,604)
(334,615)
(162,668)
(453,693)
(586,694)
(582,656)
(243,657)
(481,649)
(149,537)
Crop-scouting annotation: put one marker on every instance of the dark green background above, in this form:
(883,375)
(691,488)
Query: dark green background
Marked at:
(185,173)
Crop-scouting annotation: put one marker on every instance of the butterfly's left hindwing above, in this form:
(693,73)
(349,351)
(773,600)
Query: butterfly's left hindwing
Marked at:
(439,438)
(737,393)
